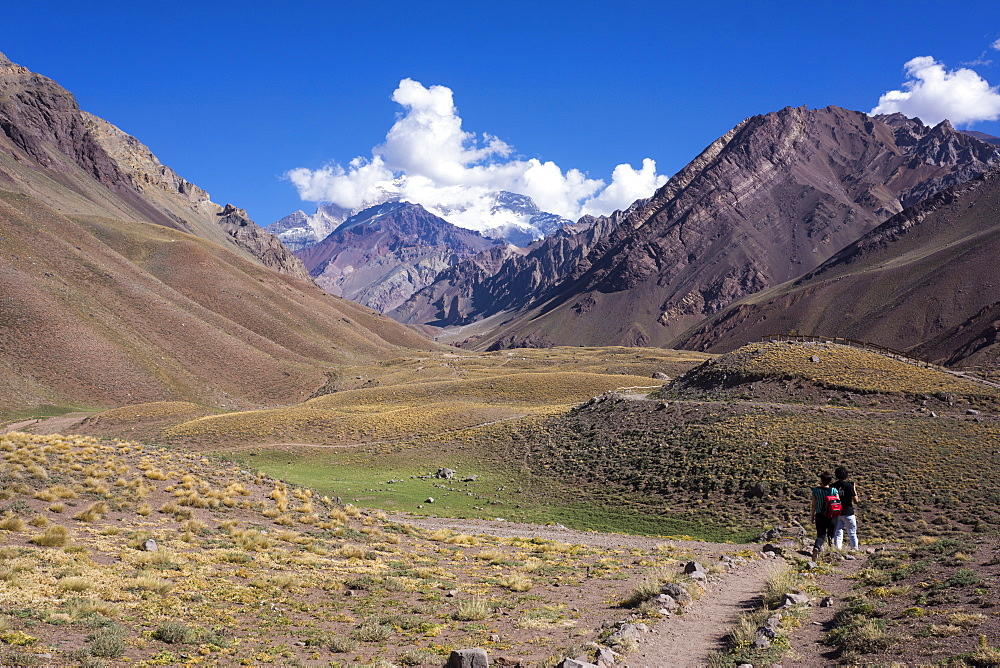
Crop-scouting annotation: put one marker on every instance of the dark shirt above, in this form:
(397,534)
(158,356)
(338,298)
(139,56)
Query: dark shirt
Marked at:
(846,490)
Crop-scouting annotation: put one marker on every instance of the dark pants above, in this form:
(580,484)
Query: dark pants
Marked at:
(825,528)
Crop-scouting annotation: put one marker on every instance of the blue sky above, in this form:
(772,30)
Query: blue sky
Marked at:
(235,95)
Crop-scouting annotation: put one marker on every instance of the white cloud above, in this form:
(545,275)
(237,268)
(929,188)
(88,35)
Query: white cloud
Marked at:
(933,94)
(995,45)
(428,158)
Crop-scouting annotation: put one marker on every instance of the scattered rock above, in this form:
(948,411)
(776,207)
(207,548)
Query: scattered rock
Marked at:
(772,548)
(606,656)
(814,358)
(971,411)
(470,478)
(446,474)
(795,599)
(149,545)
(827,602)
(430,499)
(699,576)
(659,375)
(468,658)
(579,662)
(693,567)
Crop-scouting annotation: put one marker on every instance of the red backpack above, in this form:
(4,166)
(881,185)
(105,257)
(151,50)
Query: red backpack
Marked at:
(831,505)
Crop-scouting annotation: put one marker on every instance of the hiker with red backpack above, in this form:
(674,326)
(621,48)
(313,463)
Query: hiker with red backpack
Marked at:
(847,522)
(826,509)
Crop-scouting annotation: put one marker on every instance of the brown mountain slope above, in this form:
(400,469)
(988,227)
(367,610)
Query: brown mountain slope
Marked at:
(47,141)
(926,279)
(770,200)
(120,282)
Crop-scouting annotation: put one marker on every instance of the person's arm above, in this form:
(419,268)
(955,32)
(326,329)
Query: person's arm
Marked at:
(812,496)
(857,497)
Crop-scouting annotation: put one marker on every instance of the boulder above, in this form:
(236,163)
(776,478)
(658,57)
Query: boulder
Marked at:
(468,658)
(149,545)
(678,592)
(446,474)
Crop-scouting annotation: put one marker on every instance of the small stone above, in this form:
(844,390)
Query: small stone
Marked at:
(971,411)
(452,593)
(826,602)
(149,545)
(699,576)
(814,358)
(430,499)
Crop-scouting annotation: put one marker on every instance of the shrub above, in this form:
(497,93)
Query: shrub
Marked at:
(373,632)
(174,632)
(107,642)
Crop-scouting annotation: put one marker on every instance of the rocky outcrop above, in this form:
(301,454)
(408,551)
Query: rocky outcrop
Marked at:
(264,246)
(382,255)
(772,199)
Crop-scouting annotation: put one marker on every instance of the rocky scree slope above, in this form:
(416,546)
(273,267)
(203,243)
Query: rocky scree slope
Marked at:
(770,200)
(924,281)
(382,255)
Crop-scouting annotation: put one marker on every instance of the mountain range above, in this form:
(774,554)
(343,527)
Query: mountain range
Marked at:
(770,201)
(382,255)
(121,282)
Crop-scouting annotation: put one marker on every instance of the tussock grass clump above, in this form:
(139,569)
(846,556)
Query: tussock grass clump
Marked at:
(153,584)
(76,584)
(517,582)
(12,523)
(108,642)
(54,536)
(92,513)
(472,610)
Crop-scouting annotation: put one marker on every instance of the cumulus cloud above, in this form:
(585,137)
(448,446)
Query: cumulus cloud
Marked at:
(933,94)
(428,158)
(995,45)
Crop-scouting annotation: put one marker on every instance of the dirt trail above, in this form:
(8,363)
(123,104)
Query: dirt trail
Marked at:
(681,640)
(688,639)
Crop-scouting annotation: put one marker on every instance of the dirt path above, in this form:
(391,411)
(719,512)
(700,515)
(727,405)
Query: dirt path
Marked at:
(504,529)
(688,639)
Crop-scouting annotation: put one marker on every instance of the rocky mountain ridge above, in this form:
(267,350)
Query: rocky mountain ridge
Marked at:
(770,200)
